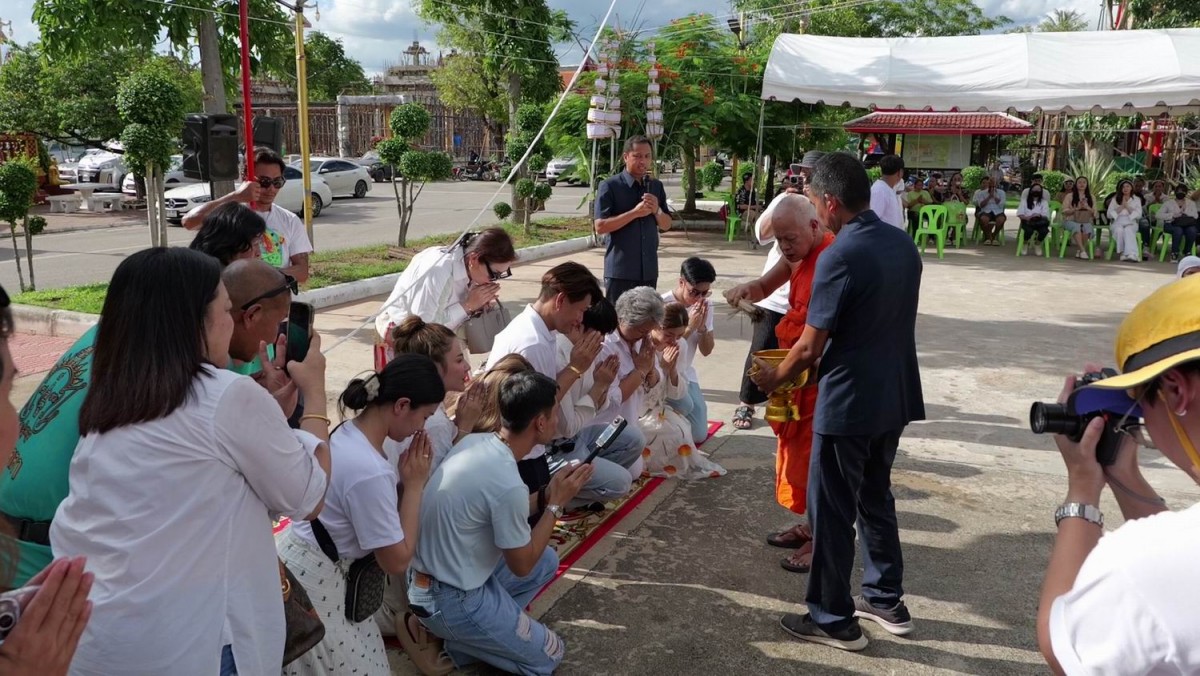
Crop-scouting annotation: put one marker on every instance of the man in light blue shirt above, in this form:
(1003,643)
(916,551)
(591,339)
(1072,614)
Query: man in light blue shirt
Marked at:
(989,210)
(478,563)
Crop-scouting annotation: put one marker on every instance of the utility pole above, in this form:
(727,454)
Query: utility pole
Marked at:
(302,108)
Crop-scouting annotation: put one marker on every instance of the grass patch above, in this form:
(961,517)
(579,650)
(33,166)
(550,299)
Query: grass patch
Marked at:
(330,267)
(88,298)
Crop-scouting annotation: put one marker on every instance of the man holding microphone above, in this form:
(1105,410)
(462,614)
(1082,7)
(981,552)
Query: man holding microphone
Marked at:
(631,208)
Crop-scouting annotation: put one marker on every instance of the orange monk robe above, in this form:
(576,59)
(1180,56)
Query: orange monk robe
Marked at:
(794,445)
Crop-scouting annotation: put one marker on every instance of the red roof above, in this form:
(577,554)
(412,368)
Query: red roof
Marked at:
(932,123)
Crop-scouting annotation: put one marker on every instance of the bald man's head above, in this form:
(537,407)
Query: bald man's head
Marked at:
(796,226)
(250,278)
(266,290)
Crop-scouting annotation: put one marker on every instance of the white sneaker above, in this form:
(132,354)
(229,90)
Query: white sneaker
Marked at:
(1024,250)
(1037,248)
(1083,255)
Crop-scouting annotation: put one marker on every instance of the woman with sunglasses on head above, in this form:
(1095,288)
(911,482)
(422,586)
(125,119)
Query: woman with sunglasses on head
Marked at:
(285,243)
(446,285)
(173,485)
(230,232)
(696,277)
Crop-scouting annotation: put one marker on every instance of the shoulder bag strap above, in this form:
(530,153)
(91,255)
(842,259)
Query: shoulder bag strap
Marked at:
(324,540)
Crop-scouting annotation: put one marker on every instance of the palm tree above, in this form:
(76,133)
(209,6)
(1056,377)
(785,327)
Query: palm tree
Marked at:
(1063,21)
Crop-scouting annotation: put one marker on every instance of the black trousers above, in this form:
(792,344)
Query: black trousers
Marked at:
(1038,225)
(763,339)
(615,287)
(850,480)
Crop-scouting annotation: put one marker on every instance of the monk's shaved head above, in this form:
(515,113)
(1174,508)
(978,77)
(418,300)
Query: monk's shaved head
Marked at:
(250,278)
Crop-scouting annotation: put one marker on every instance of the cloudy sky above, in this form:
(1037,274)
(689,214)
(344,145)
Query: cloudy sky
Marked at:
(376,32)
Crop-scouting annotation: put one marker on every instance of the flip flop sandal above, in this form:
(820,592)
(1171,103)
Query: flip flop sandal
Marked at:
(793,538)
(743,417)
(800,561)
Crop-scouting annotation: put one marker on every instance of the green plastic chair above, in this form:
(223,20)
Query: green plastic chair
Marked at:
(977,232)
(956,217)
(733,220)
(1157,231)
(932,222)
(1045,244)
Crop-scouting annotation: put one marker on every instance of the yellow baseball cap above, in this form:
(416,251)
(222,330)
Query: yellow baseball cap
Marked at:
(1160,333)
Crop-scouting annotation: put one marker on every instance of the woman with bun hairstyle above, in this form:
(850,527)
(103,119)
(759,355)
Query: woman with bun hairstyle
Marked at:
(363,514)
(439,343)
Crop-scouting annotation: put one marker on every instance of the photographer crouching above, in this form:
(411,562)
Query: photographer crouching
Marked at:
(1128,603)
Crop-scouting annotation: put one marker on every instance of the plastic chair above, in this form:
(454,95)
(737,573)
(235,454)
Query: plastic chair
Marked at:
(733,220)
(1112,246)
(956,217)
(977,231)
(1157,231)
(1045,243)
(932,222)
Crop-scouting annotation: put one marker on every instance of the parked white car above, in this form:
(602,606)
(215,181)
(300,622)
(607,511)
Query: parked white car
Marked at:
(101,166)
(183,199)
(560,169)
(344,176)
(172,178)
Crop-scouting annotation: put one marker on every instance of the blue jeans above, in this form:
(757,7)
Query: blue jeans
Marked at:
(850,480)
(228,668)
(693,407)
(610,470)
(489,624)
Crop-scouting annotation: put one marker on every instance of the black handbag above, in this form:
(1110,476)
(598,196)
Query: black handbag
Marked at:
(304,627)
(365,581)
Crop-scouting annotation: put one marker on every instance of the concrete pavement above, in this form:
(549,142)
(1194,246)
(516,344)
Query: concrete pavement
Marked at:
(686,584)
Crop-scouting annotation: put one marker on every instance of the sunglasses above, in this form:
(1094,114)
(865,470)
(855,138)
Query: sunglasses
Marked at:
(289,284)
(496,276)
(277,183)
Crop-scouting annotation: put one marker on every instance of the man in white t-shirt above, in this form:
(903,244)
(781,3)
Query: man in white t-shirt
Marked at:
(696,277)
(285,244)
(568,290)
(1125,602)
(478,564)
(884,200)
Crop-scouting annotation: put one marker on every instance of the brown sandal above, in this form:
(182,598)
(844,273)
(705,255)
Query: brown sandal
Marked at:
(800,561)
(793,538)
(423,648)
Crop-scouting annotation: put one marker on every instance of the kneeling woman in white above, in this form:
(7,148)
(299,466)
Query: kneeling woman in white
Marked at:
(361,512)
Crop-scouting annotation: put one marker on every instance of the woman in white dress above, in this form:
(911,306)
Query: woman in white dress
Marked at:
(363,515)
(174,482)
(670,450)
(446,285)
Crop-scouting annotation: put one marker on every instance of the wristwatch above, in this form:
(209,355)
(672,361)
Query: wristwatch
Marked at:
(556,510)
(1079,510)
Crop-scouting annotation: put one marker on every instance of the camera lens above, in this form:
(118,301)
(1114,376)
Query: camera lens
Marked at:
(1052,419)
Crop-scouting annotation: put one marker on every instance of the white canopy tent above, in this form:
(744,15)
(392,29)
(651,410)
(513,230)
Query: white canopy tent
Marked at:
(1147,71)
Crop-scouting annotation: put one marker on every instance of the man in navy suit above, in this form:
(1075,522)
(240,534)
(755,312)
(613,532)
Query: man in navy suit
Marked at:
(861,325)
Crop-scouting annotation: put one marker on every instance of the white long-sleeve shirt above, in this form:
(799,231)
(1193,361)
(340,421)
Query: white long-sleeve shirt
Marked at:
(577,409)
(432,287)
(1039,208)
(1172,209)
(1127,214)
(528,336)
(778,301)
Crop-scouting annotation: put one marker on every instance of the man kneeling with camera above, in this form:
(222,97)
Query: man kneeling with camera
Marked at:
(1128,603)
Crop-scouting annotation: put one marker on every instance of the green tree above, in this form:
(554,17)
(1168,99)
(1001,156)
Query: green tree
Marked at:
(18,185)
(414,168)
(1165,13)
(913,18)
(1063,21)
(152,105)
(70,27)
(330,72)
(462,90)
(529,121)
(513,42)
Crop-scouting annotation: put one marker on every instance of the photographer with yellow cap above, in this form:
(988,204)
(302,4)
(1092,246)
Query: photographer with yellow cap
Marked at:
(1128,602)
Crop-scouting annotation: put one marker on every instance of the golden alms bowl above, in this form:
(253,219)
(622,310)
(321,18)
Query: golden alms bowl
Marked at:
(780,407)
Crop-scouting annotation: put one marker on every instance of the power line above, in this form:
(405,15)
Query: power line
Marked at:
(217,12)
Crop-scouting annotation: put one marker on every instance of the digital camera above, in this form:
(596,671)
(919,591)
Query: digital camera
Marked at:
(1065,419)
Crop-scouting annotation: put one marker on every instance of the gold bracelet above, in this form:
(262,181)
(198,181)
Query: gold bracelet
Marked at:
(314,416)
(577,371)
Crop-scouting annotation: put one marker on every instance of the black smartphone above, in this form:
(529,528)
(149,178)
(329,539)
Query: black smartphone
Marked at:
(606,438)
(299,331)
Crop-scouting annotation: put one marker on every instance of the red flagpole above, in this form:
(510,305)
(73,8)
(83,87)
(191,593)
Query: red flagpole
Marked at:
(247,112)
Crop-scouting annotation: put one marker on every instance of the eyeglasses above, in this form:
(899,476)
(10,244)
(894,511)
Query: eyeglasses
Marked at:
(277,183)
(289,284)
(497,276)
(1133,428)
